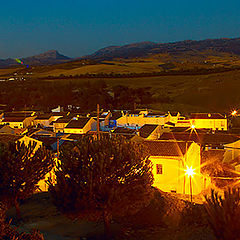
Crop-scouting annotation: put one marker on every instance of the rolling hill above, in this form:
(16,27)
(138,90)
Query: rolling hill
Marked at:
(48,58)
(176,51)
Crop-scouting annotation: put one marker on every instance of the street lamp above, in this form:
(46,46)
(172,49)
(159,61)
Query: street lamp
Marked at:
(190,172)
(192,126)
(234,113)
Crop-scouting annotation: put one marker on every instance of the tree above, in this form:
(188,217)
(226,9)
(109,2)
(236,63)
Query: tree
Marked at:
(21,168)
(101,177)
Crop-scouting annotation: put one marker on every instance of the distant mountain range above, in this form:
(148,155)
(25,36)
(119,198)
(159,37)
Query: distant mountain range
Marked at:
(48,58)
(142,49)
(188,47)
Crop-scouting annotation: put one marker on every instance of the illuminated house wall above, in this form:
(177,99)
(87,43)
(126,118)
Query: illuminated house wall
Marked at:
(141,119)
(232,151)
(170,159)
(18,122)
(80,126)
(60,124)
(213,121)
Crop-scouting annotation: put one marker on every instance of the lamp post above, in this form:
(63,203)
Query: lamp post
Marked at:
(190,172)
(234,112)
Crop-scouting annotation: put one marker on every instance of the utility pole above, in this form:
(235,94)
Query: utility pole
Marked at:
(98,127)
(190,183)
(57,148)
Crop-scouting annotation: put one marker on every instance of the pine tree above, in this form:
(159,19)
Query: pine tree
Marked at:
(21,168)
(100,177)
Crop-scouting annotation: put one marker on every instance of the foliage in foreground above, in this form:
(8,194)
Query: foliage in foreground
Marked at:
(21,168)
(102,177)
(9,233)
(223,214)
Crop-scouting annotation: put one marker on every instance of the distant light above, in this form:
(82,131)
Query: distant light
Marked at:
(234,113)
(192,126)
(189,171)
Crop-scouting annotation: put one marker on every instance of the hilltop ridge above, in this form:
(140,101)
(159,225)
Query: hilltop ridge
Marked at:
(174,50)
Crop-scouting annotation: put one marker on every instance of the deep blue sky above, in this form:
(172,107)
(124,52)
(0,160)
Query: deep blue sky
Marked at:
(79,27)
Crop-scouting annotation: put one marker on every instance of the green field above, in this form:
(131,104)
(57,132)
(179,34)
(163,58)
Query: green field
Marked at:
(188,93)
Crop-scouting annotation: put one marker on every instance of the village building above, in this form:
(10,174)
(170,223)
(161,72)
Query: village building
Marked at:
(60,124)
(170,160)
(204,139)
(81,125)
(150,131)
(46,120)
(41,132)
(139,118)
(9,130)
(232,150)
(126,132)
(114,116)
(18,122)
(214,121)
(19,119)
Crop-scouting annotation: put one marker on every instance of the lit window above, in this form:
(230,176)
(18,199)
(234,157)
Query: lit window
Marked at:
(159,168)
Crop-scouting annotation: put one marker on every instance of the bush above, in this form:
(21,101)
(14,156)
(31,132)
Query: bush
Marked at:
(223,214)
(9,233)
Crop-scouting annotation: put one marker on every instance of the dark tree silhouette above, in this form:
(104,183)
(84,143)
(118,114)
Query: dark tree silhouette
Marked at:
(21,168)
(100,177)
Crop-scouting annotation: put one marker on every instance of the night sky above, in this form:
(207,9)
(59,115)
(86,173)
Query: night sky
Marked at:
(76,27)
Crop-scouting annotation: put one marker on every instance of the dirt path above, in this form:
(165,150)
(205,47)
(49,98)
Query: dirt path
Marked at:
(38,212)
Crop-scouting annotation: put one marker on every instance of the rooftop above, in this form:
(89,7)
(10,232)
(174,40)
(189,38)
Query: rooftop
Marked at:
(79,123)
(13,119)
(43,117)
(9,138)
(202,138)
(147,129)
(167,148)
(122,130)
(63,120)
(207,116)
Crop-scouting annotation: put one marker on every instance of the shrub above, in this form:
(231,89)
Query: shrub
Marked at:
(223,214)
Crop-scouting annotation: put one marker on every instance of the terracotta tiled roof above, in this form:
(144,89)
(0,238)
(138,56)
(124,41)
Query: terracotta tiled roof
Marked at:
(14,119)
(207,116)
(203,138)
(167,148)
(80,123)
(63,120)
(18,114)
(43,117)
(9,138)
(170,123)
(116,115)
(147,129)
(47,141)
(212,155)
(122,130)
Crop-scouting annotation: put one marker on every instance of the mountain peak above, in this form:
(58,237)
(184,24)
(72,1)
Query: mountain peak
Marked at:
(51,54)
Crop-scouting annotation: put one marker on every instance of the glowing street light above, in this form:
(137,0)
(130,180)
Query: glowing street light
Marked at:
(234,113)
(190,172)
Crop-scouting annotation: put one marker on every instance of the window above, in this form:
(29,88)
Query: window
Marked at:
(159,168)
